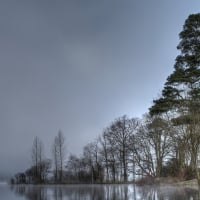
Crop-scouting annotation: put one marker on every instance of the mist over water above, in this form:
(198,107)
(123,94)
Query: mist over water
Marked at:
(96,192)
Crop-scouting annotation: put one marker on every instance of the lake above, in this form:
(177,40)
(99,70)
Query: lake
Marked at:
(96,192)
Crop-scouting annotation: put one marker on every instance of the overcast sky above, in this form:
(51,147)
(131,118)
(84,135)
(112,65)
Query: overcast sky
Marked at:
(76,65)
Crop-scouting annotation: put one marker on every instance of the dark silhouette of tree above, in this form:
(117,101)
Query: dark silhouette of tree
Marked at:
(20,178)
(181,93)
(59,156)
(37,157)
(120,133)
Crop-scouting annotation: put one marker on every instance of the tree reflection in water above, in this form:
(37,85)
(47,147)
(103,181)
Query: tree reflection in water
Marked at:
(167,193)
(31,192)
(104,192)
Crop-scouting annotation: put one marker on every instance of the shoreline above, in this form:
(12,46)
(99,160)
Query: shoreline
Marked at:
(157,182)
(189,183)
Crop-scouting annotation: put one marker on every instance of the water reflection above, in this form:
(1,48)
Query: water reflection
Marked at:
(167,193)
(105,192)
(31,192)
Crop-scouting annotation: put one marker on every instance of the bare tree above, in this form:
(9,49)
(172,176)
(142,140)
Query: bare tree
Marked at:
(55,159)
(142,152)
(121,131)
(153,144)
(37,157)
(59,156)
(104,152)
(158,132)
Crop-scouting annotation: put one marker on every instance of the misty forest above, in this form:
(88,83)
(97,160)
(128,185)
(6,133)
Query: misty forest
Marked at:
(165,142)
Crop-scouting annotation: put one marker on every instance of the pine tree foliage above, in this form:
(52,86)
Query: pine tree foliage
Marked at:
(181,93)
(182,89)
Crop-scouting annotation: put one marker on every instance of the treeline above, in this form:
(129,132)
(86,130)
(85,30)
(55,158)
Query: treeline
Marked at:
(128,149)
(165,142)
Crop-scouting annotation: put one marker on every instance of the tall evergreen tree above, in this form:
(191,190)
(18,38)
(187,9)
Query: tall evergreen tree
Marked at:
(181,93)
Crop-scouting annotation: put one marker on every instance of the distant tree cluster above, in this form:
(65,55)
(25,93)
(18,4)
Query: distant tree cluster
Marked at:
(44,170)
(165,142)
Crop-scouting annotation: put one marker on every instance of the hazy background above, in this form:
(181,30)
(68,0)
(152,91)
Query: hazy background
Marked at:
(76,65)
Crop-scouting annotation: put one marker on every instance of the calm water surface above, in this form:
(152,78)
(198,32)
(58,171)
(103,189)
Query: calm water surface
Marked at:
(96,192)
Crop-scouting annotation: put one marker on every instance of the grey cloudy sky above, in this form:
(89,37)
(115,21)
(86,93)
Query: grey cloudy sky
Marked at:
(75,65)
